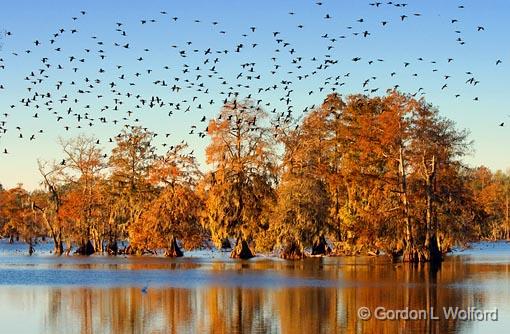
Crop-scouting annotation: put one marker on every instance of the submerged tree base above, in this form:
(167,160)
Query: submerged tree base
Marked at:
(292,252)
(129,250)
(173,249)
(241,250)
(112,248)
(343,248)
(225,244)
(86,249)
(425,254)
(58,249)
(321,247)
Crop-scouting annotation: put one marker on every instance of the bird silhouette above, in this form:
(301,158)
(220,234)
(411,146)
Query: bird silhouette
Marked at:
(195,76)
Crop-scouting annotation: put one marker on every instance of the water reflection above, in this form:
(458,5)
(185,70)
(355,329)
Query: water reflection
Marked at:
(325,299)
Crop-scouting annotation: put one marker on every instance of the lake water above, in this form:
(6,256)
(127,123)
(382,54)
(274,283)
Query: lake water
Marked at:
(209,293)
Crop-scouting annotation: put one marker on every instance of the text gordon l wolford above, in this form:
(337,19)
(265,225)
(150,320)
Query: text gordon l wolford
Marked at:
(453,313)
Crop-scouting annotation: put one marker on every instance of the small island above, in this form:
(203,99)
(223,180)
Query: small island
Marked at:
(357,175)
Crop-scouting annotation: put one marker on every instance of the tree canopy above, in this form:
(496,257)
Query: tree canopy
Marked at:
(357,174)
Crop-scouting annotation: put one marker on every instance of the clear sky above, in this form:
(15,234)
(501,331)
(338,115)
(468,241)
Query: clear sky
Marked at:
(440,40)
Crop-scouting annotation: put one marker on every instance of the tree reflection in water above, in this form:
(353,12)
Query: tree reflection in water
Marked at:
(312,308)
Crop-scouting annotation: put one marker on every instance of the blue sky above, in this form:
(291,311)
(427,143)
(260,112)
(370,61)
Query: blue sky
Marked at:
(431,36)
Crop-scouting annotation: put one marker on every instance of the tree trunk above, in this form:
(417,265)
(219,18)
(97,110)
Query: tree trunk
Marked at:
(225,244)
(128,250)
(241,250)
(112,248)
(85,249)
(429,251)
(31,249)
(99,245)
(433,254)
(173,249)
(69,247)
(410,253)
(292,251)
(58,245)
(321,247)
(55,233)
(11,239)
(97,242)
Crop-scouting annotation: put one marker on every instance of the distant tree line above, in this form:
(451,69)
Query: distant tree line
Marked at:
(356,175)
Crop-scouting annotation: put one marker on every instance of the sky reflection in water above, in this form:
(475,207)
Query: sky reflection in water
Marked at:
(45,294)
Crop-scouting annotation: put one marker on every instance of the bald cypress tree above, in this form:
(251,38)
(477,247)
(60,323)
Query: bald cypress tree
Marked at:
(174,212)
(243,173)
(301,217)
(131,162)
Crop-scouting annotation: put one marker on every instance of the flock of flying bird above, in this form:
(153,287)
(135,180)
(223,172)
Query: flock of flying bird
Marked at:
(92,87)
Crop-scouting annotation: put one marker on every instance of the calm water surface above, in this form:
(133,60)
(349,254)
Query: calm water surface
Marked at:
(209,293)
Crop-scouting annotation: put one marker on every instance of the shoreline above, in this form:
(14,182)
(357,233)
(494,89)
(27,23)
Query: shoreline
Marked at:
(19,248)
